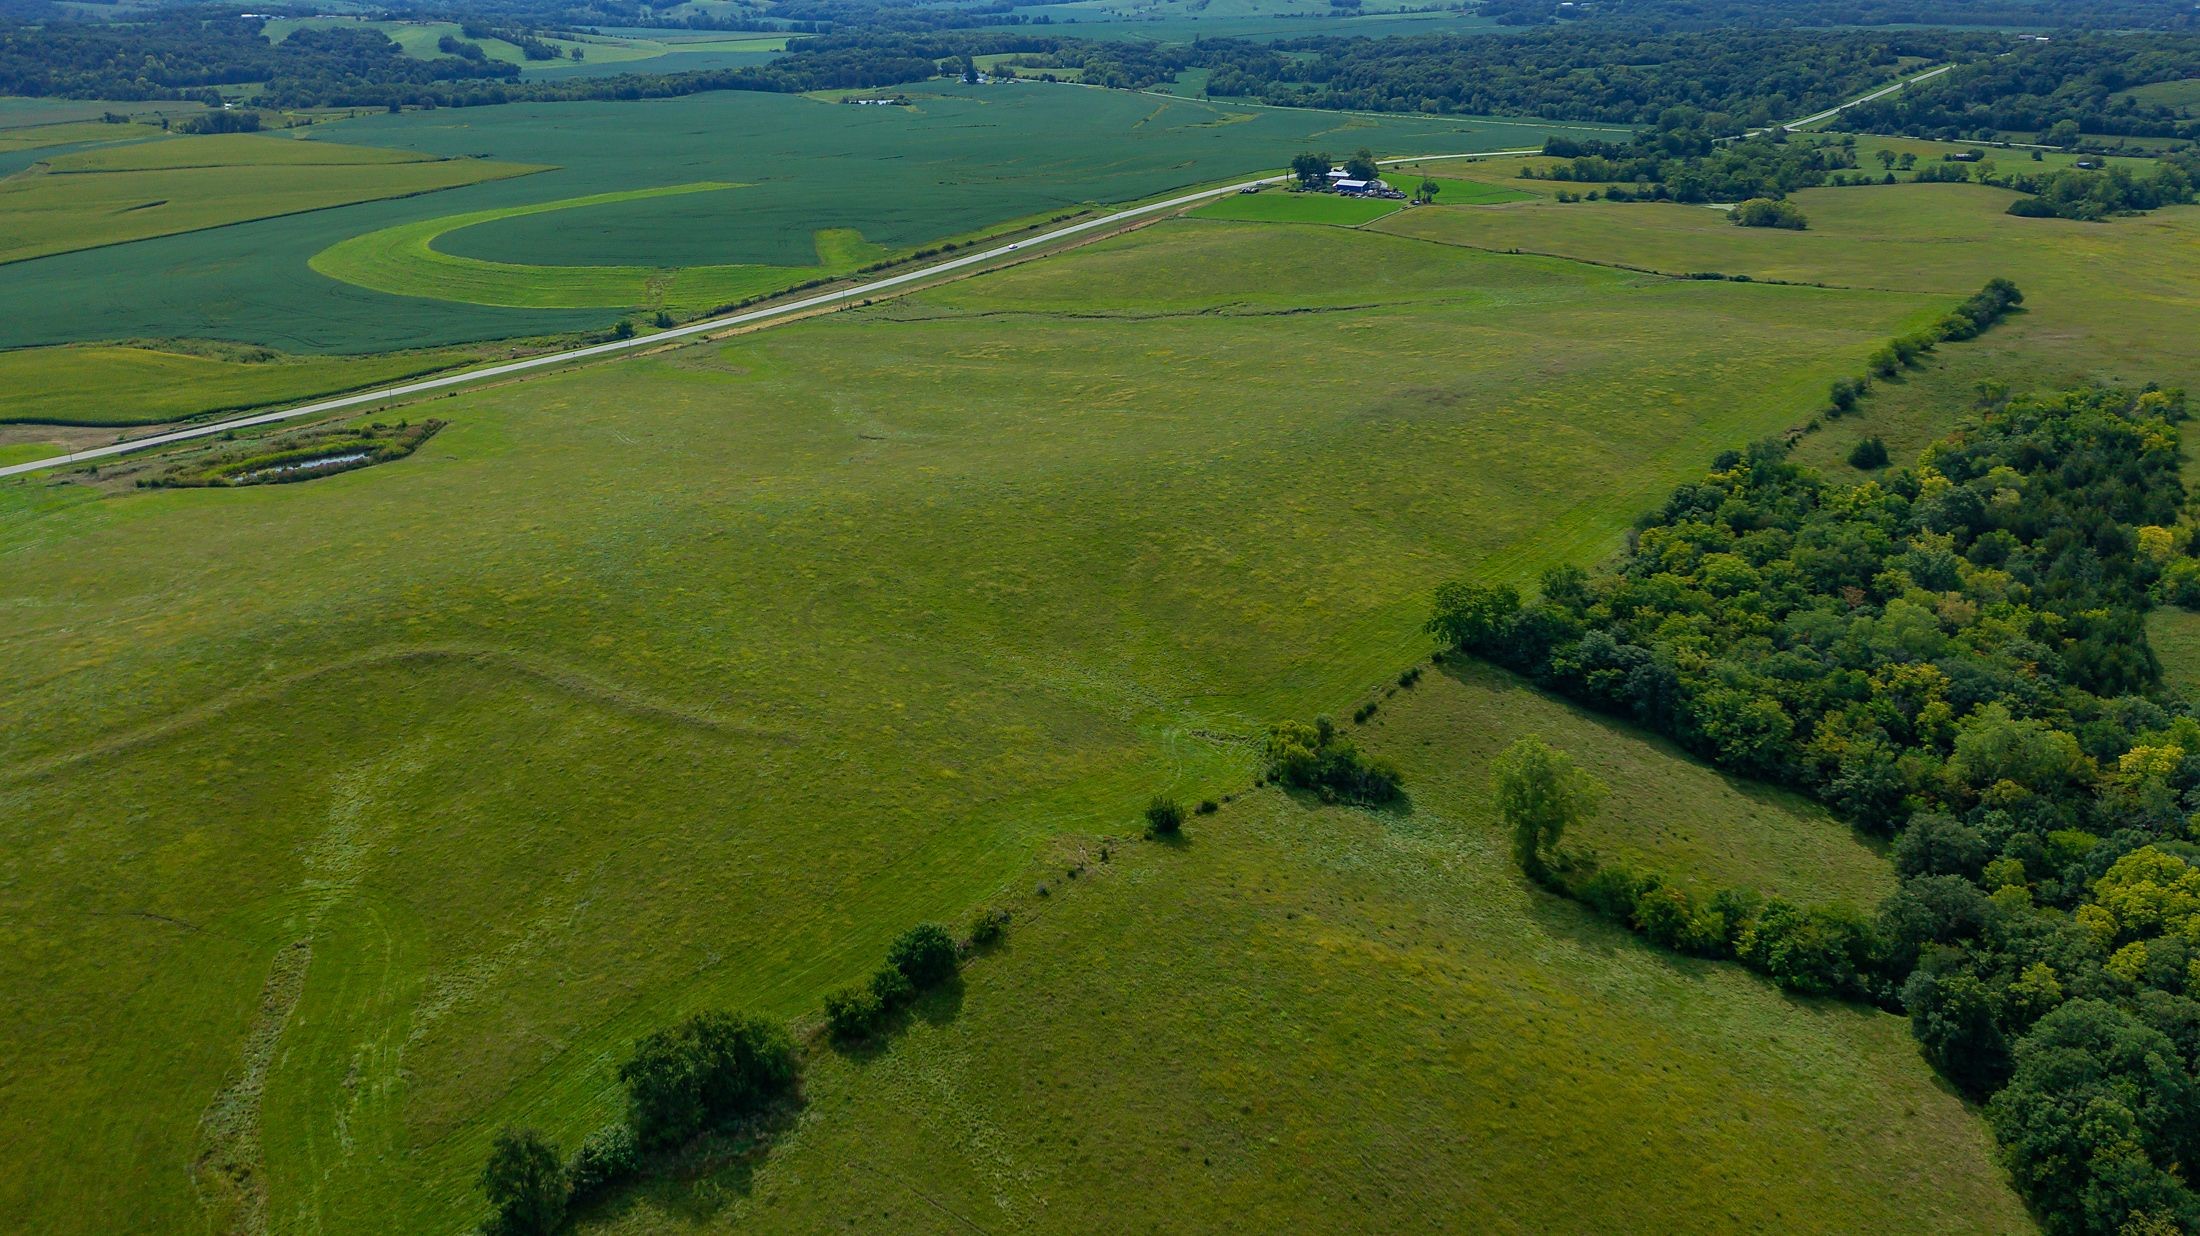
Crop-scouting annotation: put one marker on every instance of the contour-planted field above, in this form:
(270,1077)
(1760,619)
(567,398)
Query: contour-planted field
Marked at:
(406,261)
(689,681)
(961,160)
(113,194)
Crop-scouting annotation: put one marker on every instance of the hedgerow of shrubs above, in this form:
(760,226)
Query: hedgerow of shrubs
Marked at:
(1968,320)
(1953,654)
(709,1070)
(919,959)
(1317,759)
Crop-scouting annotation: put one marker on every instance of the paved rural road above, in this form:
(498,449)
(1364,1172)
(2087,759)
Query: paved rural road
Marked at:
(766,314)
(1880,93)
(704,327)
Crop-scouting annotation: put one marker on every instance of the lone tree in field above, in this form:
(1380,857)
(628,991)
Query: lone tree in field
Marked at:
(1539,793)
(525,1180)
(1430,186)
(1310,169)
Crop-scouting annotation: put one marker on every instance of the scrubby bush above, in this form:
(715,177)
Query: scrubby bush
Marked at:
(1207,806)
(925,954)
(1164,816)
(1313,757)
(1767,212)
(711,1067)
(524,1181)
(988,928)
(608,1157)
(852,1013)
(893,988)
(1868,454)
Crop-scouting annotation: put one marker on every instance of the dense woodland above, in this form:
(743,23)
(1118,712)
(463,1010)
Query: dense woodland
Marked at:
(2076,81)
(1577,73)
(1954,655)
(1710,14)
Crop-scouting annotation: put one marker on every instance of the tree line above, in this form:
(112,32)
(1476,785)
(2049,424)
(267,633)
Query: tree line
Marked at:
(1954,655)
(712,1073)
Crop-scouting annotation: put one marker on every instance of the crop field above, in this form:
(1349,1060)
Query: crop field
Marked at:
(114,194)
(405,261)
(962,160)
(1279,206)
(688,681)
(112,385)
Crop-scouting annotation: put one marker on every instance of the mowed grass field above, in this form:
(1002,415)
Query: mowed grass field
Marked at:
(154,385)
(690,680)
(114,194)
(1281,206)
(1312,1019)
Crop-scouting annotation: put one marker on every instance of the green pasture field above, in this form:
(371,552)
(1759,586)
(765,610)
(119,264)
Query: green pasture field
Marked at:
(1181,21)
(655,52)
(1452,191)
(1316,1019)
(689,680)
(2175,636)
(17,112)
(2182,95)
(405,261)
(1282,206)
(960,161)
(2006,159)
(111,385)
(114,194)
(2103,301)
(69,133)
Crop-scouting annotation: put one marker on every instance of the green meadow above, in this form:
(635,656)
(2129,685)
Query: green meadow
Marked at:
(2104,302)
(689,680)
(1318,1019)
(156,384)
(1281,206)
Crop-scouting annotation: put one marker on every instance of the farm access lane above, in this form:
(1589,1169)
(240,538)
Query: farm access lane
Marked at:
(770,314)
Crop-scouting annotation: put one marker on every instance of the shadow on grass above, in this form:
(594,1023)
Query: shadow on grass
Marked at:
(1476,674)
(696,1181)
(935,1006)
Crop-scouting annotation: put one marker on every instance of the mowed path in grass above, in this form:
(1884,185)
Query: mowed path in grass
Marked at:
(405,261)
(689,681)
